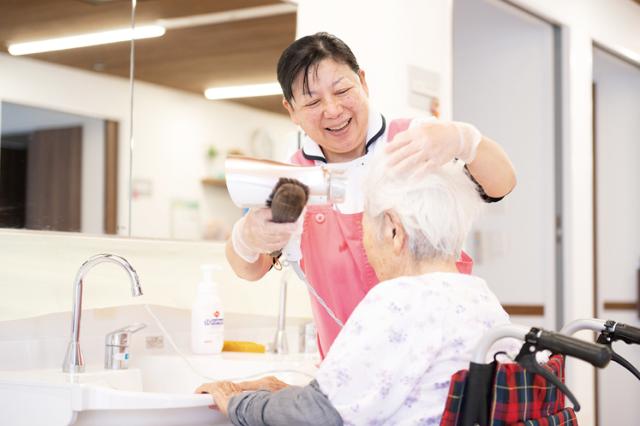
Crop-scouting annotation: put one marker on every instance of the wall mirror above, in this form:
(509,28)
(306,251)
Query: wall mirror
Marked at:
(162,177)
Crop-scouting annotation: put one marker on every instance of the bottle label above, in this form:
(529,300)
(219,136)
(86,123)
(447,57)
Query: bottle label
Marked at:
(207,330)
(213,321)
(216,319)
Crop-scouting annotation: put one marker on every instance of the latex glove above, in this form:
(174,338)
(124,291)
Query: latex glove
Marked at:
(221,393)
(255,234)
(431,144)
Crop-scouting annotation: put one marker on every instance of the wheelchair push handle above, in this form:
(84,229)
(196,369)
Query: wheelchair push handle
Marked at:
(626,333)
(609,331)
(593,324)
(615,330)
(595,354)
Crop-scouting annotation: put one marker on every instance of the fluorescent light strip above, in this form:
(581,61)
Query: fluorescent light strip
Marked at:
(228,16)
(84,40)
(247,91)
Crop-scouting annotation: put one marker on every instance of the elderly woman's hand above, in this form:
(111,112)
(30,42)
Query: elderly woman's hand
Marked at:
(269,383)
(431,144)
(221,393)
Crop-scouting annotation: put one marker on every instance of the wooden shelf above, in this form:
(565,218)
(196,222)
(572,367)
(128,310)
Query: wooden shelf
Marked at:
(219,183)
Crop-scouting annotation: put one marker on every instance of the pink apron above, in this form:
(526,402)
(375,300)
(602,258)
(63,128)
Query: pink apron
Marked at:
(335,262)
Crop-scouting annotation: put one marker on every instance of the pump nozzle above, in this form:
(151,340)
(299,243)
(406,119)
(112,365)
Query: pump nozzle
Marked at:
(208,269)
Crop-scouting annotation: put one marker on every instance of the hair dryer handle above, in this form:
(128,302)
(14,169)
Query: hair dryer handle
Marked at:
(292,251)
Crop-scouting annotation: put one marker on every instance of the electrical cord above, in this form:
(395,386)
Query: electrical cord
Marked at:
(296,267)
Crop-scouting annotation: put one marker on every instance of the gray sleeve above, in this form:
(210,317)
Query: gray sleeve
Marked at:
(293,405)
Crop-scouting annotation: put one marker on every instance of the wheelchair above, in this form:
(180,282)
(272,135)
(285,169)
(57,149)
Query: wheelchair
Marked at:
(526,392)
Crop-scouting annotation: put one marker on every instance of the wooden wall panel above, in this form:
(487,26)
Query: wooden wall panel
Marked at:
(111,177)
(54,180)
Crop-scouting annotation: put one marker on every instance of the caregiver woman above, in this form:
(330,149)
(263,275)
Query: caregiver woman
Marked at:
(326,94)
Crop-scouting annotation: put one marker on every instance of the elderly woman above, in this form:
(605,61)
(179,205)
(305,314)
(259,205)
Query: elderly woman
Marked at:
(392,361)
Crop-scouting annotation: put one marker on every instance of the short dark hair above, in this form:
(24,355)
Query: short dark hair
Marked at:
(308,51)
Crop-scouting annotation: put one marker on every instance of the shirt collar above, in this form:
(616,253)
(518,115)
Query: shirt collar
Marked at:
(377,126)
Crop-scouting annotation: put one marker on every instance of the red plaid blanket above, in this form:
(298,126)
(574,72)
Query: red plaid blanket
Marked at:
(565,417)
(517,396)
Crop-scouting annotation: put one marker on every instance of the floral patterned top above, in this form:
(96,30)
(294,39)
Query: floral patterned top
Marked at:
(392,362)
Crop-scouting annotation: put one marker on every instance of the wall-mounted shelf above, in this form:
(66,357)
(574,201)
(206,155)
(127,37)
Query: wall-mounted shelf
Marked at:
(219,183)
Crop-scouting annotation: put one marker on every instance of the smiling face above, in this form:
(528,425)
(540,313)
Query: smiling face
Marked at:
(334,112)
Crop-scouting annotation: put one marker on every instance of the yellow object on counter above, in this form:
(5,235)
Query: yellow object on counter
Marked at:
(238,346)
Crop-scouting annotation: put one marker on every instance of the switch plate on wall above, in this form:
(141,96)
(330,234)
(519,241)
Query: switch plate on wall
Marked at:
(424,87)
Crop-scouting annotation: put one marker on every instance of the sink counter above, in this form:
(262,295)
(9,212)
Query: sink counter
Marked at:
(157,390)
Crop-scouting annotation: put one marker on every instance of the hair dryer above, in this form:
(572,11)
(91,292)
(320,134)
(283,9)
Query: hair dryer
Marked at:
(250,181)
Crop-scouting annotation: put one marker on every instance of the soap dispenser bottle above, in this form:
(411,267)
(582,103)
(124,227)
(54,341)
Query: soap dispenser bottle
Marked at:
(207,316)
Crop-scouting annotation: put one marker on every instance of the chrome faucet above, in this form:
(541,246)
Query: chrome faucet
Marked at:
(280,342)
(73,361)
(116,347)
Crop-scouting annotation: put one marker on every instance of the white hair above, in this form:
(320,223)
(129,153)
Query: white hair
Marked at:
(436,210)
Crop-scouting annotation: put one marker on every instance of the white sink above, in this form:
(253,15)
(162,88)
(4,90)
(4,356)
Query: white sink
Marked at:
(157,390)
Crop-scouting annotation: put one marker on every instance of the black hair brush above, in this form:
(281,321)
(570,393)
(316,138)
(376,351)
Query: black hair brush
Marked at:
(287,200)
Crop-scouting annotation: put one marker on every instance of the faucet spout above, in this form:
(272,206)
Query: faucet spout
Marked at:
(73,360)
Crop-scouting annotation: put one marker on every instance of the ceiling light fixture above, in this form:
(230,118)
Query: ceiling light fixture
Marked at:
(246,91)
(228,16)
(84,40)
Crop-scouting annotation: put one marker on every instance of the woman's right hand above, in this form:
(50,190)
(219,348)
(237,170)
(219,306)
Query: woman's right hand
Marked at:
(256,234)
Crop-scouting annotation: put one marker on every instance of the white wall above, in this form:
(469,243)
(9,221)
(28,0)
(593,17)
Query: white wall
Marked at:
(503,83)
(618,203)
(618,176)
(93,176)
(613,23)
(172,131)
(386,38)
(38,270)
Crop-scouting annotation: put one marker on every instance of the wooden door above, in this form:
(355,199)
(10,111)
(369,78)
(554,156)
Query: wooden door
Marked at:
(111,177)
(54,174)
